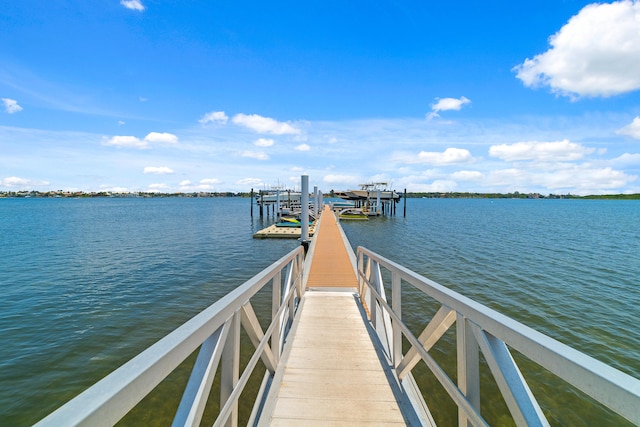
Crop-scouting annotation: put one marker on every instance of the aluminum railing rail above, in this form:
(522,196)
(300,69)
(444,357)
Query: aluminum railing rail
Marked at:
(481,329)
(216,330)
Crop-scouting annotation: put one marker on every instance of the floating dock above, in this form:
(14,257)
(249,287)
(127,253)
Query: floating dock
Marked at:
(274,231)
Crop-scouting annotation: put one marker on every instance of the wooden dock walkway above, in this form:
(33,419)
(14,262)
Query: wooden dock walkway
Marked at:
(331,266)
(332,374)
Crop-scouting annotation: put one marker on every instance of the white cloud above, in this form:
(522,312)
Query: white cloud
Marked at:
(121,122)
(627,159)
(133,4)
(447,157)
(575,178)
(446,104)
(250,181)
(584,179)
(210,181)
(263,142)
(258,155)
(437,186)
(206,184)
(392,148)
(11,105)
(165,138)
(302,147)
(214,117)
(157,187)
(512,177)
(340,179)
(126,141)
(135,142)
(14,181)
(160,170)
(632,129)
(467,176)
(264,124)
(541,151)
(597,53)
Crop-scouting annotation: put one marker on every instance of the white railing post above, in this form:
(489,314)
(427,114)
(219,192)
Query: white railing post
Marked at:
(231,368)
(194,398)
(396,305)
(468,367)
(373,302)
(361,286)
(276,301)
(298,269)
(365,288)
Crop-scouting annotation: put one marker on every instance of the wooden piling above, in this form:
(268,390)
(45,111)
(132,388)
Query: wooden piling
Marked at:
(405,202)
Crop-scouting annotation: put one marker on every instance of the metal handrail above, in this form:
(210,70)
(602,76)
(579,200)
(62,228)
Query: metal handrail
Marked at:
(481,329)
(216,330)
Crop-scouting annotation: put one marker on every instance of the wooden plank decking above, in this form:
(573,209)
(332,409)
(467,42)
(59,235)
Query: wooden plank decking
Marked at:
(331,373)
(331,266)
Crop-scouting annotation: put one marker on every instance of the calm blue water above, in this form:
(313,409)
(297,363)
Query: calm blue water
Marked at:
(89,283)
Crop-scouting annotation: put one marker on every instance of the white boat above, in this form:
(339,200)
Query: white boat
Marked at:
(369,192)
(285,197)
(353,213)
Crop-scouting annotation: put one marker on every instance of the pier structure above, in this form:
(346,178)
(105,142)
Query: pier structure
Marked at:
(373,199)
(330,371)
(336,351)
(279,201)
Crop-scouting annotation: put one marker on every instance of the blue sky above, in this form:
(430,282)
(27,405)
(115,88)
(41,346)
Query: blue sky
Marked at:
(151,95)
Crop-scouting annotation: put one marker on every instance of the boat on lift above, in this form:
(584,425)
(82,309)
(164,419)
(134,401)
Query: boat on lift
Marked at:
(370,191)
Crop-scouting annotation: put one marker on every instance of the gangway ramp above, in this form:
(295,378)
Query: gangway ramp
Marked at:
(331,373)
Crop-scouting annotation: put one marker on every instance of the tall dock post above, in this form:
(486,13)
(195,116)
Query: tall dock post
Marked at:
(405,202)
(304,218)
(315,201)
(261,203)
(252,203)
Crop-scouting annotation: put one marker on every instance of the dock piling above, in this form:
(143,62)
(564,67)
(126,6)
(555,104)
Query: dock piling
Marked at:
(304,217)
(261,203)
(405,202)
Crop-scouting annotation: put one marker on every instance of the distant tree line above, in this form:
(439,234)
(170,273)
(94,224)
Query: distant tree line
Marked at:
(517,195)
(82,194)
(429,195)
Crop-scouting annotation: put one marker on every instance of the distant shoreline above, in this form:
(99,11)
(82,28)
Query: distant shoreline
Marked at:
(410,195)
(517,195)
